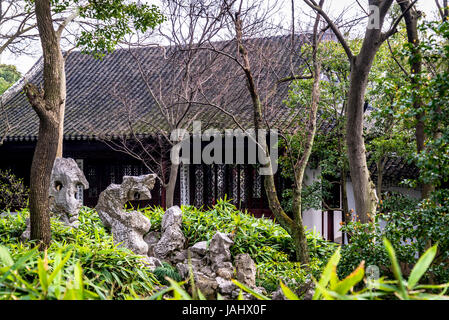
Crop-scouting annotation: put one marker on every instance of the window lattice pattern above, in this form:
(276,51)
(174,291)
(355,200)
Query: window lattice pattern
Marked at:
(257,184)
(199,175)
(220,181)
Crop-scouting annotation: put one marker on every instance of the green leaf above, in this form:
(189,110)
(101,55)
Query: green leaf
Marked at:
(43,276)
(290,295)
(179,292)
(79,285)
(350,281)
(56,274)
(249,290)
(5,257)
(327,273)
(421,267)
(396,269)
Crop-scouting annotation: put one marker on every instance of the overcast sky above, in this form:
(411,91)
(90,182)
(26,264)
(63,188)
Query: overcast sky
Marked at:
(334,7)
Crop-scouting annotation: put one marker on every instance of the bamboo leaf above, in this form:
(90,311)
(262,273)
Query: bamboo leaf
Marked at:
(5,257)
(290,295)
(327,273)
(421,267)
(396,269)
(249,290)
(43,276)
(350,281)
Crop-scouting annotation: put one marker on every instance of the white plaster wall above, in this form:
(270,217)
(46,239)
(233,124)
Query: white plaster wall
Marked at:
(406,191)
(312,217)
(350,195)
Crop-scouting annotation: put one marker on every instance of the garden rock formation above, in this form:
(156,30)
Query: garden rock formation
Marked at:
(65,183)
(128,228)
(171,244)
(210,263)
(66,180)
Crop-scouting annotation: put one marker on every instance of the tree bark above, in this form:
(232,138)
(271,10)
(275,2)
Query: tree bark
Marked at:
(47,103)
(364,191)
(170,189)
(294,227)
(411,22)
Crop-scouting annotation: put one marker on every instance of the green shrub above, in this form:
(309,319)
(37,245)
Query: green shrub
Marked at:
(13,193)
(109,271)
(112,272)
(265,241)
(410,232)
(166,270)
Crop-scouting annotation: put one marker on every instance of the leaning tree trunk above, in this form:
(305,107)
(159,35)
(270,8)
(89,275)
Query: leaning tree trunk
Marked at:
(294,228)
(171,185)
(411,22)
(364,191)
(47,103)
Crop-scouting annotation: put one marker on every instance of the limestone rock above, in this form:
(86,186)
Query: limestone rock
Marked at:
(246,270)
(66,178)
(278,295)
(219,248)
(226,273)
(27,233)
(152,263)
(179,256)
(225,286)
(309,289)
(128,228)
(172,218)
(172,240)
(207,285)
(183,270)
(151,239)
(199,248)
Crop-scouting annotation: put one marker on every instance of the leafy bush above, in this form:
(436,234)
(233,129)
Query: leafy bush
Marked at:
(166,270)
(109,272)
(13,193)
(397,202)
(330,287)
(411,232)
(266,242)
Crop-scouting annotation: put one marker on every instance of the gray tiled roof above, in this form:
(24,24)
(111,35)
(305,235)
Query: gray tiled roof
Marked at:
(94,89)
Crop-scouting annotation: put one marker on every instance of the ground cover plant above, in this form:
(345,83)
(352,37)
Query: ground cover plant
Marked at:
(84,263)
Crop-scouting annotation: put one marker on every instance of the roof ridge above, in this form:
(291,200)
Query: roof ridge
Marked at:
(18,85)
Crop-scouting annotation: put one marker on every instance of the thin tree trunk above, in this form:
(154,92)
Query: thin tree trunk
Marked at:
(364,191)
(380,169)
(411,22)
(171,185)
(47,104)
(294,228)
(61,132)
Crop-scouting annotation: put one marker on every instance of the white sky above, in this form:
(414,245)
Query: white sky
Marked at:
(334,7)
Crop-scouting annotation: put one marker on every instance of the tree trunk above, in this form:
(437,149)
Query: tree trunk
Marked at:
(411,22)
(294,228)
(61,132)
(171,185)
(364,191)
(47,104)
(380,174)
